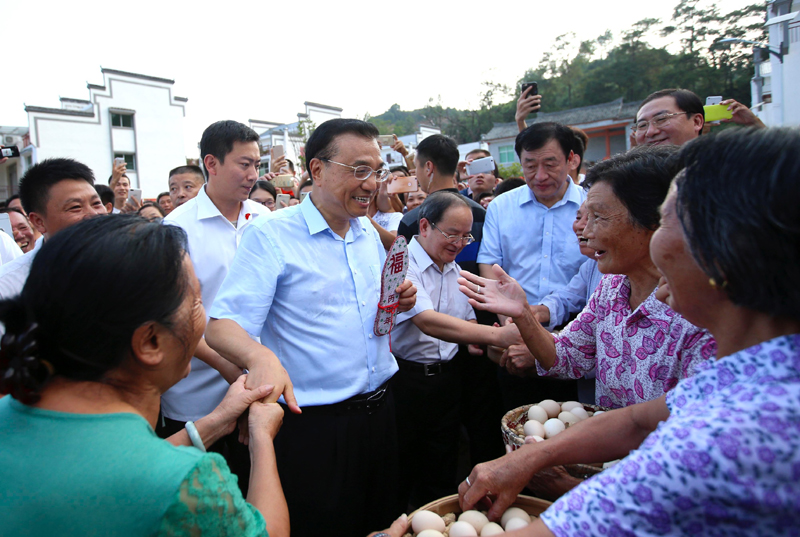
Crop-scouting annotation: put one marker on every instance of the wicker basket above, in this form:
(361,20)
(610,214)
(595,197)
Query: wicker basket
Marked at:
(449,504)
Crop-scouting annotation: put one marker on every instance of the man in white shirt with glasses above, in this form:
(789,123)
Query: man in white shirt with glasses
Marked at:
(306,281)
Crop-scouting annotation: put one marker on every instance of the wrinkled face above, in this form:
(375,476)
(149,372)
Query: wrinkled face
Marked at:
(415,199)
(545,171)
(121,188)
(688,290)
(237,175)
(24,235)
(342,196)
(578,226)
(263,197)
(190,323)
(183,187)
(166,204)
(69,202)
(457,220)
(678,130)
(621,247)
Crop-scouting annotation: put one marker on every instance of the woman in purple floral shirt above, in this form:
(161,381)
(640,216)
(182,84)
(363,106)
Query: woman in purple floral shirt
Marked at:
(720,453)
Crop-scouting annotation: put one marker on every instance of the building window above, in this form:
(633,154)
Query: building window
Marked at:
(130,160)
(506,154)
(122,120)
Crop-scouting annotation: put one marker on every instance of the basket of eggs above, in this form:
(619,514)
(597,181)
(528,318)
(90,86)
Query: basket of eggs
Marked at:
(545,420)
(444,518)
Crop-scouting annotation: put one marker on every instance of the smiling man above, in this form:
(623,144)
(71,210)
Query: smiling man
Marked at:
(528,232)
(306,282)
(669,116)
(214,221)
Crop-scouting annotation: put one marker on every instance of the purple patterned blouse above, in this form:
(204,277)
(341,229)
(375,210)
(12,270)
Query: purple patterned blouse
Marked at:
(726,462)
(639,355)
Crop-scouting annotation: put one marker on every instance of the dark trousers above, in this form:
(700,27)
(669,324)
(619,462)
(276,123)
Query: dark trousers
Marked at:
(481,406)
(236,454)
(428,427)
(338,468)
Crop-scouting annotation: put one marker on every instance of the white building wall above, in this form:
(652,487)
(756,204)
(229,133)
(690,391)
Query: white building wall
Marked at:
(79,138)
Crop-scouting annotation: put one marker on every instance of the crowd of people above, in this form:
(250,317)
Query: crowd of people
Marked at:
(208,363)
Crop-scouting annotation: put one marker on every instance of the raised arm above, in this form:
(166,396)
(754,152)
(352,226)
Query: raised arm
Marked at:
(455,330)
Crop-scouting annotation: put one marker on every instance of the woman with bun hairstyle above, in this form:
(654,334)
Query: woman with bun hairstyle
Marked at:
(84,376)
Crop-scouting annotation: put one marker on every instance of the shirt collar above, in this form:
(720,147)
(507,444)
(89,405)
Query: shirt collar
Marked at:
(423,260)
(205,207)
(573,194)
(316,222)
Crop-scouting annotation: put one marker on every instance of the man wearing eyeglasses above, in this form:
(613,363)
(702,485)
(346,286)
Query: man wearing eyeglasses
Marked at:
(425,341)
(306,282)
(669,116)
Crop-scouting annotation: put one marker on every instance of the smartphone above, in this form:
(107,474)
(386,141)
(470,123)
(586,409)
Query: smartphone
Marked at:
(282,201)
(118,161)
(386,140)
(277,152)
(534,91)
(135,193)
(715,112)
(283,181)
(5,224)
(402,185)
(481,165)
(9,151)
(303,195)
(714,99)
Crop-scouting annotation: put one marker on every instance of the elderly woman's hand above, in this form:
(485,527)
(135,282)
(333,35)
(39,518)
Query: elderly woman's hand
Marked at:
(238,399)
(552,483)
(503,296)
(265,420)
(398,528)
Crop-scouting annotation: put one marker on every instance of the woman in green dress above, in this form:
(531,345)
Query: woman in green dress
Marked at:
(108,320)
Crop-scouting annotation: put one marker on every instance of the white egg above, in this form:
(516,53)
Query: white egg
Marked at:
(538,438)
(599,412)
(430,533)
(537,413)
(514,512)
(580,413)
(492,528)
(462,529)
(551,407)
(477,519)
(515,524)
(533,428)
(568,418)
(427,520)
(569,405)
(553,427)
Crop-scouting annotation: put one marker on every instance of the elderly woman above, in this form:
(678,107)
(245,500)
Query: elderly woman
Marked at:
(720,453)
(78,455)
(637,345)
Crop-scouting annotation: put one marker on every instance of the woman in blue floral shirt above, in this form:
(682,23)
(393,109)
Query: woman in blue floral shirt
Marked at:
(720,453)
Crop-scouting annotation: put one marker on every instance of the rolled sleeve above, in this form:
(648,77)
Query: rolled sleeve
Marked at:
(576,349)
(248,290)
(491,251)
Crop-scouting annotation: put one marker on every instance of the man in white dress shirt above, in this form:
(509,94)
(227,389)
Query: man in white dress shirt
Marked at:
(56,193)
(426,340)
(214,222)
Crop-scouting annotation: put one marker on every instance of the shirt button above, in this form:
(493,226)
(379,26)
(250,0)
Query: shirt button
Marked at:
(545,255)
(544,278)
(547,233)
(355,272)
(363,303)
(370,336)
(373,369)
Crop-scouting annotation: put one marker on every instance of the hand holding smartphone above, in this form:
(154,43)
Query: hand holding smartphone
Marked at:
(481,165)
(402,185)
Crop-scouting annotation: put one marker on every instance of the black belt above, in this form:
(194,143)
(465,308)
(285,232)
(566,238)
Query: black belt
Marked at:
(363,403)
(428,370)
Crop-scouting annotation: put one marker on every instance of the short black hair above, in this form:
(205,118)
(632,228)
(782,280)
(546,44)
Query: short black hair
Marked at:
(508,184)
(82,338)
(685,100)
(111,178)
(442,151)
(154,206)
(188,168)
(105,193)
(537,135)
(640,179)
(307,182)
(290,164)
(219,137)
(436,204)
(581,141)
(264,185)
(34,187)
(163,194)
(400,169)
(486,195)
(321,144)
(737,200)
(12,198)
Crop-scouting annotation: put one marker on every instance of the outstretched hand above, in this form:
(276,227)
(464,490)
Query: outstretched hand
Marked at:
(503,296)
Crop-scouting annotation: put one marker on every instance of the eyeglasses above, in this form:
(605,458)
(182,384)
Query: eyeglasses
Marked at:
(363,173)
(658,122)
(268,203)
(455,239)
